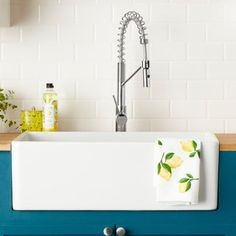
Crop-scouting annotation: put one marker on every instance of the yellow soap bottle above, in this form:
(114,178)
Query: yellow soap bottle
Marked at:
(50,106)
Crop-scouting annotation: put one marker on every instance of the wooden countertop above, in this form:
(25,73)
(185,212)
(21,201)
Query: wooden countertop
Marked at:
(227,141)
(5,140)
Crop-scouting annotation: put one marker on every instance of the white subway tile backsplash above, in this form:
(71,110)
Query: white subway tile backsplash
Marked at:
(230,90)
(151,109)
(203,125)
(37,34)
(85,10)
(138,124)
(57,14)
(20,52)
(73,43)
(160,32)
(168,51)
(134,92)
(77,71)
(95,89)
(169,124)
(86,124)
(106,70)
(207,90)
(57,52)
(168,90)
(10,34)
(188,70)
(105,109)
(221,31)
(77,33)
(191,32)
(222,109)
(9,71)
(93,52)
(39,71)
(77,109)
(230,126)
(159,70)
(230,51)
(168,12)
(190,1)
(221,70)
(24,89)
(230,11)
(205,51)
(206,12)
(188,109)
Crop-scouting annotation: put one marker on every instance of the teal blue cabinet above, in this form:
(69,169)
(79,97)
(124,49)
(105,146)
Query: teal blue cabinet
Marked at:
(221,222)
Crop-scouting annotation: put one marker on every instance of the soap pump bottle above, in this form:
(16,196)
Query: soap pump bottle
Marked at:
(50,105)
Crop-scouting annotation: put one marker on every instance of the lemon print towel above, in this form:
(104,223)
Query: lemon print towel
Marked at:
(177,171)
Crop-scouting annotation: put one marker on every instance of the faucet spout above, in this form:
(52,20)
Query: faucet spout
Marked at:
(121,117)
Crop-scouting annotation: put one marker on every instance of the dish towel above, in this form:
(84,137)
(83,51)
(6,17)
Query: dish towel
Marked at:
(177,171)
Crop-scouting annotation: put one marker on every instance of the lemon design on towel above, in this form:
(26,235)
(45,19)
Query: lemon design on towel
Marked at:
(185,183)
(173,160)
(190,146)
(164,169)
(165,172)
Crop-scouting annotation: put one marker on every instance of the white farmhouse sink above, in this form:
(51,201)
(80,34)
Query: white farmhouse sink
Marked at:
(99,171)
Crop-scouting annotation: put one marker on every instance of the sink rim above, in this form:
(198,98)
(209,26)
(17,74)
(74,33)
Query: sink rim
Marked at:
(77,136)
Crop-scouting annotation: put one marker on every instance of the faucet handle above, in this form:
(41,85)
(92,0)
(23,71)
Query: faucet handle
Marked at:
(115,101)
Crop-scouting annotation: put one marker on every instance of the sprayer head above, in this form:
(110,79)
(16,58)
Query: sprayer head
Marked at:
(146,73)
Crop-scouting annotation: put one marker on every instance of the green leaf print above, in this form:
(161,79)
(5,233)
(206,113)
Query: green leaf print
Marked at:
(194,144)
(199,153)
(183,180)
(167,167)
(186,183)
(192,154)
(169,155)
(158,168)
(188,186)
(159,142)
(190,176)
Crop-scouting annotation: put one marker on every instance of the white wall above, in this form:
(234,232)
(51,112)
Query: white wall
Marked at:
(73,44)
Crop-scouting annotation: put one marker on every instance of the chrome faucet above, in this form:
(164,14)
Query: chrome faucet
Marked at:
(121,115)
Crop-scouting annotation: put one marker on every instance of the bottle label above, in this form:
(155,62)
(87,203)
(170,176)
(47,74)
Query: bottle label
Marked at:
(49,116)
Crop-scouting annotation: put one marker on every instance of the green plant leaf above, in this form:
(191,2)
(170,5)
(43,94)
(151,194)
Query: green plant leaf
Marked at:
(199,153)
(5,105)
(169,155)
(183,180)
(158,168)
(192,154)
(167,167)
(190,176)
(159,142)
(188,186)
(194,144)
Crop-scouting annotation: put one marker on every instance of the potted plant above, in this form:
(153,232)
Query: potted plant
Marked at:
(6,105)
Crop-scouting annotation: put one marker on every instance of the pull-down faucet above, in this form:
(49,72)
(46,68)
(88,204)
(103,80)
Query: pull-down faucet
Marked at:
(121,117)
